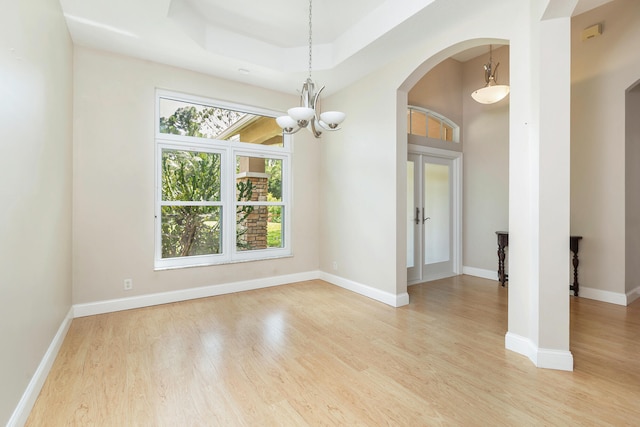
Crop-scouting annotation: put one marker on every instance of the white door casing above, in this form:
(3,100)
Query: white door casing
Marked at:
(434,214)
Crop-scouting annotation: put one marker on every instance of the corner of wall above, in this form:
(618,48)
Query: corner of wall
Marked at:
(30,395)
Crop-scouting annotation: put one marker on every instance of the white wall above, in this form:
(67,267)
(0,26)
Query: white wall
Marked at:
(113,228)
(603,68)
(35,188)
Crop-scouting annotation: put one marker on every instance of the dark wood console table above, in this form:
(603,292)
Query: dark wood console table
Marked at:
(503,242)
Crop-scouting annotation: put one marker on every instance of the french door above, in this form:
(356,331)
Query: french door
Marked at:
(432,221)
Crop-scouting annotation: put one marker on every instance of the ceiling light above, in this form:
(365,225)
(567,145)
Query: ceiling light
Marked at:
(492,92)
(308,115)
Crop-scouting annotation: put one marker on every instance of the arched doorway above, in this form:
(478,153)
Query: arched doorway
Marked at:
(483,142)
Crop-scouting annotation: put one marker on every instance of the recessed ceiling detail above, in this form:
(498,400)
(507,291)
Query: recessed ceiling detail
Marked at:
(219,37)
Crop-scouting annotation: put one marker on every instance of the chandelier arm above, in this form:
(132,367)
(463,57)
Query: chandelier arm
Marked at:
(316,103)
(312,128)
(495,70)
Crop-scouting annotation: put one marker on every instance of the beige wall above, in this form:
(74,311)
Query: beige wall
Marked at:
(113,193)
(358,178)
(603,68)
(485,130)
(35,187)
(363,218)
(440,91)
(632,189)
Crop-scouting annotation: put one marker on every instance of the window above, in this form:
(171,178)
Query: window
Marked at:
(222,177)
(423,122)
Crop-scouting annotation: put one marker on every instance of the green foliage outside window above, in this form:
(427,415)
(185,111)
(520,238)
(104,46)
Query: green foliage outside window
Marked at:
(189,176)
(203,123)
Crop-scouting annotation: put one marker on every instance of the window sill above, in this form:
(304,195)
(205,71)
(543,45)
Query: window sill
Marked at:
(215,264)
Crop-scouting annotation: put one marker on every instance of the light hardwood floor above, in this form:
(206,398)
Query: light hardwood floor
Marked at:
(311,353)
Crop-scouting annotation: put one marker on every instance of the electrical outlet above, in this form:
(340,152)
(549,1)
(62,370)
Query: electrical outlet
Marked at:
(128,284)
(335,265)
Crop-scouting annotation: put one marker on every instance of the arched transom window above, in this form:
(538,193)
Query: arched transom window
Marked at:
(427,123)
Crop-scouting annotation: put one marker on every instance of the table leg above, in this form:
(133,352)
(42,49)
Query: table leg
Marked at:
(574,246)
(501,275)
(576,285)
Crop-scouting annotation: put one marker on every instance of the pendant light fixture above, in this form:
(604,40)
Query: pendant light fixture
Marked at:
(308,114)
(492,92)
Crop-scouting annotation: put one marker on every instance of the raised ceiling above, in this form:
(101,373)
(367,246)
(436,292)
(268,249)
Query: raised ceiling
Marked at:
(258,42)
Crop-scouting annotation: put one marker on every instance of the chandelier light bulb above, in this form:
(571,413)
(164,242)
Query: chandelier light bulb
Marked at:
(492,92)
(286,123)
(301,113)
(332,118)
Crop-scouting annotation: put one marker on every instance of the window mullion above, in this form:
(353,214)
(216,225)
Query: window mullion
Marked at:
(188,203)
(230,211)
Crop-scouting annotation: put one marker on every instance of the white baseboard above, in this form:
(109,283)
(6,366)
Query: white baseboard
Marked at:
(28,399)
(604,296)
(520,345)
(376,294)
(633,295)
(480,272)
(561,360)
(431,278)
(108,306)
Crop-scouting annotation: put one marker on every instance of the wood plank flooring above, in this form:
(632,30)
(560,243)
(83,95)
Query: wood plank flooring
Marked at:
(313,354)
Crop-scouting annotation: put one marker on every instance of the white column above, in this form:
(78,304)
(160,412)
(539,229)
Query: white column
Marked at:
(540,200)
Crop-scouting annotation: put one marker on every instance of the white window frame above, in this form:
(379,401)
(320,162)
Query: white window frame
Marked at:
(228,151)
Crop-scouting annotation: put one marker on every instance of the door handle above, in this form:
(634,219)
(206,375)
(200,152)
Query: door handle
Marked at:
(423,217)
(417,218)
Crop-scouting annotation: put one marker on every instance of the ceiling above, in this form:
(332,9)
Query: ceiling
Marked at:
(264,43)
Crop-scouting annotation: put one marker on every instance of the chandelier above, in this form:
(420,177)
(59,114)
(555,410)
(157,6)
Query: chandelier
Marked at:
(308,114)
(492,92)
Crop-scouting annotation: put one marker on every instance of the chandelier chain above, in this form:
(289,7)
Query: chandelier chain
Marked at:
(310,38)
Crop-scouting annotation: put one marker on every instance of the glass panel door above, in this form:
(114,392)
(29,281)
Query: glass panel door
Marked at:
(429,218)
(411,208)
(414,225)
(437,230)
